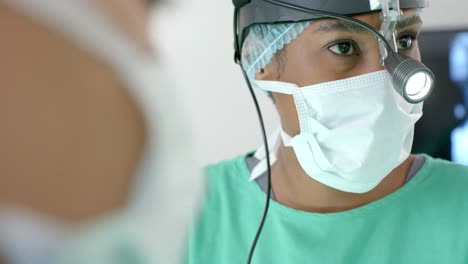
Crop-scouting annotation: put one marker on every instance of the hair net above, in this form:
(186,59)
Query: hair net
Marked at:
(264,40)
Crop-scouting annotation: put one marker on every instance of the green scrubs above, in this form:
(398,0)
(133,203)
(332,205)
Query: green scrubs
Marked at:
(425,221)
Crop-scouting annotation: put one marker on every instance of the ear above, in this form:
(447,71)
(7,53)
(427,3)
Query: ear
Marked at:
(269,72)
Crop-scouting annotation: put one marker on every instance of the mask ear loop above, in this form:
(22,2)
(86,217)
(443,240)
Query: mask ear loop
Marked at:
(238,60)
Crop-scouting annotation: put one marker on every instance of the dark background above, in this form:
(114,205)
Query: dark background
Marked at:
(432,133)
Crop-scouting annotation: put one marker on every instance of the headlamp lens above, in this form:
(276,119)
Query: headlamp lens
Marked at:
(418,86)
(412,79)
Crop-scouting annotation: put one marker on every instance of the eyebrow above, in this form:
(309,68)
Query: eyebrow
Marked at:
(409,21)
(340,25)
(349,27)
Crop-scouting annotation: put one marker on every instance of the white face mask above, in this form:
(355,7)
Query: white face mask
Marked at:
(354,132)
(152,227)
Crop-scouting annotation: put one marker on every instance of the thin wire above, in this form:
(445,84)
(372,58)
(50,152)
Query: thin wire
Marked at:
(265,142)
(264,136)
(326,14)
(237,58)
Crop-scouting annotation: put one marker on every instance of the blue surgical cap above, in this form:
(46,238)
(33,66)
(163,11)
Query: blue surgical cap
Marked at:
(264,40)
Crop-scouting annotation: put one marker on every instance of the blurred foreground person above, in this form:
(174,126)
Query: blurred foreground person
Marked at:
(92,140)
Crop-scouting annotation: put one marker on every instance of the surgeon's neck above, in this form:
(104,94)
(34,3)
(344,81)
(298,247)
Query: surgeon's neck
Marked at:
(295,189)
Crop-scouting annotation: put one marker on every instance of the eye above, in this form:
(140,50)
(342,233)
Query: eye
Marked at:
(405,42)
(346,48)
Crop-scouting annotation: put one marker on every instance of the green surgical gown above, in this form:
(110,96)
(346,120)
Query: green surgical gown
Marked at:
(425,221)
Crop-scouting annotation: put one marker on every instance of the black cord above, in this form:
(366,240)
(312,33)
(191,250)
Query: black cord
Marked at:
(320,13)
(267,152)
(326,14)
(237,58)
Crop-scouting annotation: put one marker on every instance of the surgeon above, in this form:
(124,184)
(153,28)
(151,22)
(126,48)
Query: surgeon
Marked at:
(92,137)
(337,182)
(459,75)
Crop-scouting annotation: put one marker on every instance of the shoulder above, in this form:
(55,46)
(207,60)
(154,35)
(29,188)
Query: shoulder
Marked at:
(226,196)
(447,178)
(227,182)
(439,200)
(446,170)
(227,175)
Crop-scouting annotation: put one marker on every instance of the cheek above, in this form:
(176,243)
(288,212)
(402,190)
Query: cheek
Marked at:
(287,112)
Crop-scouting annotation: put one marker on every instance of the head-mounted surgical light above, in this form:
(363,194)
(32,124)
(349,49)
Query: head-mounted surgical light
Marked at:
(412,79)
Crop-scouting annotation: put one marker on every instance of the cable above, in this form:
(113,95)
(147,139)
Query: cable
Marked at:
(237,58)
(265,142)
(326,14)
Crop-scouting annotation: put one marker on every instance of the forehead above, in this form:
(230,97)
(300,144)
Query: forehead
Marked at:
(410,18)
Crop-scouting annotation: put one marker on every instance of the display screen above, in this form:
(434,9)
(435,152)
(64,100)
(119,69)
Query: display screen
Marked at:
(446,54)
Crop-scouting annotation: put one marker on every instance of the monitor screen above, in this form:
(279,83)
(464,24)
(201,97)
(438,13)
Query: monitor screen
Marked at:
(440,132)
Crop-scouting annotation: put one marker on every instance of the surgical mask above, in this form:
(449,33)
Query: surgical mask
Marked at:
(151,228)
(353,132)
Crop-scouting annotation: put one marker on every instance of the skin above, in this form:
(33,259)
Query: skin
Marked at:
(71,135)
(315,57)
